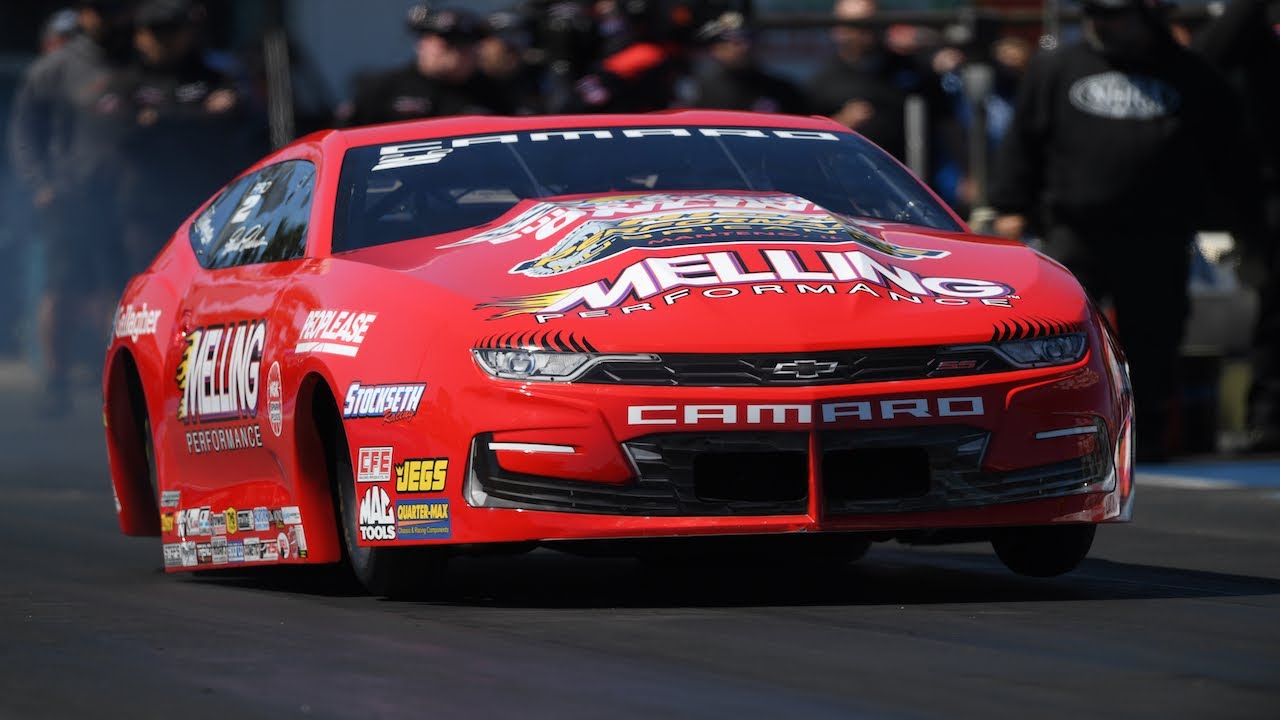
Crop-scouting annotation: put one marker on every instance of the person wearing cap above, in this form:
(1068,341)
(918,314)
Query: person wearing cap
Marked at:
(441,80)
(732,79)
(192,130)
(1122,146)
(864,85)
(58,30)
(66,125)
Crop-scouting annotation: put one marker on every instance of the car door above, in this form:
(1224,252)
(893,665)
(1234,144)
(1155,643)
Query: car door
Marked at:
(224,358)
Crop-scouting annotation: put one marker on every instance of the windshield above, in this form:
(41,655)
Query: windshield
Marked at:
(389,193)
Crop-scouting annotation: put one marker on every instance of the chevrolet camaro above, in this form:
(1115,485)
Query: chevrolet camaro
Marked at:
(381,346)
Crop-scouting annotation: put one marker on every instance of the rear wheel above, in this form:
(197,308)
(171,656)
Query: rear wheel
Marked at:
(1043,551)
(386,571)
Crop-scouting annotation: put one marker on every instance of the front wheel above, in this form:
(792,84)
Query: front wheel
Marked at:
(1043,551)
(400,572)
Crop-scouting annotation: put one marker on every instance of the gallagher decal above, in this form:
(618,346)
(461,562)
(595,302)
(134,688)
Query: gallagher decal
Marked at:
(134,323)
(730,273)
(219,380)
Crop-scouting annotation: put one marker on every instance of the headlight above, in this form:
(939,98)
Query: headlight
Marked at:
(542,366)
(1040,352)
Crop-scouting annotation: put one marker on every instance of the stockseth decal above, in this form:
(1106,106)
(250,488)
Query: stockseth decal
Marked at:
(734,272)
(433,151)
(275,399)
(1120,96)
(219,379)
(373,464)
(336,332)
(133,324)
(423,519)
(389,402)
(422,476)
(803,414)
(377,516)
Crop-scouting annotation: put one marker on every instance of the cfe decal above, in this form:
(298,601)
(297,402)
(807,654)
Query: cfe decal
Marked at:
(373,464)
(421,476)
(219,381)
(377,515)
(656,282)
(335,332)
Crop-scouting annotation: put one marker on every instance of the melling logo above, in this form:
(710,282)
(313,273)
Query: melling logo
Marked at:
(377,516)
(220,372)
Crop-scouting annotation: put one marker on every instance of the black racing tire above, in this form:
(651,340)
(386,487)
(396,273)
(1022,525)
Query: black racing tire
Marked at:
(402,573)
(1043,551)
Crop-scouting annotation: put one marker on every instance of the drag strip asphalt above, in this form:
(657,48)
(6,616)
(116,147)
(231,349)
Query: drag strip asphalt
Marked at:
(1174,616)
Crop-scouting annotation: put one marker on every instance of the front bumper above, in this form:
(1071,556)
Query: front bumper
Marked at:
(628,473)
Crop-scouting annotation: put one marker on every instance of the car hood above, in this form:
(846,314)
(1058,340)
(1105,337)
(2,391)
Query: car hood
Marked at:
(732,272)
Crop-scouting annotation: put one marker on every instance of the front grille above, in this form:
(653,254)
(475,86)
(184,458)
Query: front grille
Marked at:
(883,470)
(799,369)
(711,474)
(922,469)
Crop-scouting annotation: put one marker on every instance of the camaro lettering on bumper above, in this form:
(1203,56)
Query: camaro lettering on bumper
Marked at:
(801,414)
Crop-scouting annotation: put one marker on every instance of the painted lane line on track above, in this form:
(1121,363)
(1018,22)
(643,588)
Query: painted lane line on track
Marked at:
(1211,476)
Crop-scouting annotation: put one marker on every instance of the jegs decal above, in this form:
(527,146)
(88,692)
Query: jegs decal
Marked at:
(422,475)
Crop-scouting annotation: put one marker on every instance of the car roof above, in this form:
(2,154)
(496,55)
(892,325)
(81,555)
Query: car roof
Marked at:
(483,124)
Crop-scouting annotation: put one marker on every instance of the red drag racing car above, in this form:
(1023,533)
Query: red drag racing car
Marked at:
(382,345)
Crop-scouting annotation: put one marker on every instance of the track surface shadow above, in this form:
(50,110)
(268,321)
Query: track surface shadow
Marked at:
(551,580)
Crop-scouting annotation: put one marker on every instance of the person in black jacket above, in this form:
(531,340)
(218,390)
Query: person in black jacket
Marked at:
(192,129)
(442,79)
(66,127)
(1244,43)
(732,79)
(1122,147)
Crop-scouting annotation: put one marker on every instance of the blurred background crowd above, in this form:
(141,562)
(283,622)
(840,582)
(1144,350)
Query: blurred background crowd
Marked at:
(1134,140)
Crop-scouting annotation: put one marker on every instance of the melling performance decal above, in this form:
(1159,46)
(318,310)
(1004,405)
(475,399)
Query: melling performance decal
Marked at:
(591,230)
(219,379)
(657,282)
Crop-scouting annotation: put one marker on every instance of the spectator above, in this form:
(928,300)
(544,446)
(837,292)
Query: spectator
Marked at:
(1128,144)
(1244,44)
(67,123)
(441,80)
(733,79)
(641,61)
(58,29)
(191,134)
(501,58)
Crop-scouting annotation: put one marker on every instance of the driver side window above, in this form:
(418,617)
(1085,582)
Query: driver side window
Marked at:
(259,218)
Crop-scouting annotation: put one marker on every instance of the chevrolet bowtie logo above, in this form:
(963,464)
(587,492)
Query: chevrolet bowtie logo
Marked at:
(805,369)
